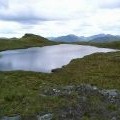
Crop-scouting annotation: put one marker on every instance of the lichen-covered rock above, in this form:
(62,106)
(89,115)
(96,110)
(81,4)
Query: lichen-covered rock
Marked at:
(86,89)
(60,91)
(18,117)
(48,116)
(112,95)
(91,101)
(83,101)
(67,90)
(70,113)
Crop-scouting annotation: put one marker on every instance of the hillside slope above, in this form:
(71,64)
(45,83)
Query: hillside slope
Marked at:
(28,40)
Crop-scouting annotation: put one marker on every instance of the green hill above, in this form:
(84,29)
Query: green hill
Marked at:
(28,40)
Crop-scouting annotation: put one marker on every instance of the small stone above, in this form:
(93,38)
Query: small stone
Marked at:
(45,117)
(18,117)
(56,91)
(113,118)
(95,88)
(110,93)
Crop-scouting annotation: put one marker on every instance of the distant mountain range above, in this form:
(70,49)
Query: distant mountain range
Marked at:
(95,38)
(105,38)
(67,38)
(100,38)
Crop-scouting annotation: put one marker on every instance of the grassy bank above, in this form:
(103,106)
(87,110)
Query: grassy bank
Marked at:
(114,45)
(20,91)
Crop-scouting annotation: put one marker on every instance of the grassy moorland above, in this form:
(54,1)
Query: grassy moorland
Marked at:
(20,91)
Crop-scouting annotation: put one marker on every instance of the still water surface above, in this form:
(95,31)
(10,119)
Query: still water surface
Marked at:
(44,59)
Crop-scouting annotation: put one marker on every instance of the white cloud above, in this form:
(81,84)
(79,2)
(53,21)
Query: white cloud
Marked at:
(59,17)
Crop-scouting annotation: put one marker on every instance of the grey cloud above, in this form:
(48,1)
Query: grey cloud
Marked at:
(23,16)
(112,5)
(27,14)
(111,27)
(27,27)
(4,4)
(27,18)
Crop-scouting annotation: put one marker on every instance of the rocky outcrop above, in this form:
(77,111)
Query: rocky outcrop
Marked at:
(16,117)
(47,116)
(92,103)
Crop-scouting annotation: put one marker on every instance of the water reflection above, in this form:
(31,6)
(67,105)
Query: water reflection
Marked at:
(44,59)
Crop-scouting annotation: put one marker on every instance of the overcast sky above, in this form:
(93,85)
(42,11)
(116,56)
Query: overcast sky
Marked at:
(59,17)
